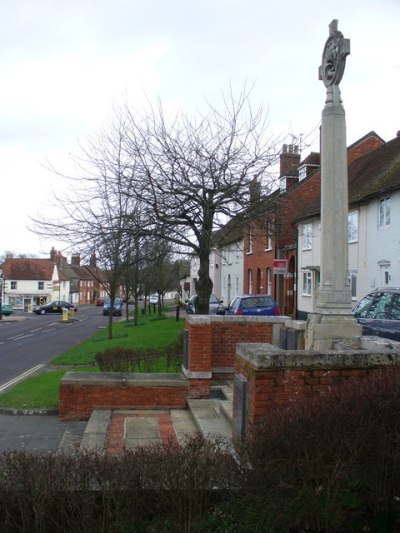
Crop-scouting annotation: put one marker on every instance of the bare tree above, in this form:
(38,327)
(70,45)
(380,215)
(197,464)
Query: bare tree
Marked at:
(194,174)
(98,211)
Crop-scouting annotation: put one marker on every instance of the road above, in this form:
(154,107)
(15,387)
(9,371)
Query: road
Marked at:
(34,341)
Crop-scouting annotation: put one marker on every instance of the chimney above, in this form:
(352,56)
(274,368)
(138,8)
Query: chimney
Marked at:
(76,260)
(59,258)
(53,254)
(255,190)
(92,262)
(289,160)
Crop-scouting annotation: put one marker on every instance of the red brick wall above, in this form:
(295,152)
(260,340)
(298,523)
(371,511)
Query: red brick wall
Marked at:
(77,400)
(212,340)
(268,387)
(228,333)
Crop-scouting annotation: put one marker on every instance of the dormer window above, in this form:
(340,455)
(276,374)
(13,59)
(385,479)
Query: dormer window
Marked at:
(302,172)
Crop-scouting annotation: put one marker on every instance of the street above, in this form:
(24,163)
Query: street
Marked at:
(27,344)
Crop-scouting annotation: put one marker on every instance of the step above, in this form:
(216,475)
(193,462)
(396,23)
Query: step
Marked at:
(95,435)
(209,419)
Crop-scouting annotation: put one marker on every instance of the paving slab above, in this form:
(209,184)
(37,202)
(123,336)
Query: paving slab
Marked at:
(141,431)
(36,433)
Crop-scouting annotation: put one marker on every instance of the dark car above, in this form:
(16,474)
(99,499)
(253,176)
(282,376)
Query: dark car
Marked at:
(54,307)
(117,307)
(253,305)
(379,313)
(215,306)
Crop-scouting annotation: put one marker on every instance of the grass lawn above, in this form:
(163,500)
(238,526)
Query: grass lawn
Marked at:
(41,391)
(151,332)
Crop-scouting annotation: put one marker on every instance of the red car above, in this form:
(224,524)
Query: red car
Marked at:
(100,302)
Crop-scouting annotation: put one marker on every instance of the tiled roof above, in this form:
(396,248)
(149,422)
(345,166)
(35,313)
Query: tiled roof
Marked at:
(28,269)
(375,173)
(370,175)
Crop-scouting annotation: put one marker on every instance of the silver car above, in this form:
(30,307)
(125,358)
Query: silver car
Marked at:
(215,307)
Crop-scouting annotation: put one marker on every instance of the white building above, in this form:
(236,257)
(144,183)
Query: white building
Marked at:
(373,229)
(29,282)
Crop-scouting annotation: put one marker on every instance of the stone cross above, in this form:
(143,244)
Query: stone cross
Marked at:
(332,318)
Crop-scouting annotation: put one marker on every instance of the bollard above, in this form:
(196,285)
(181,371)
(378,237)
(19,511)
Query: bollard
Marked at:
(64,313)
(72,313)
(177,313)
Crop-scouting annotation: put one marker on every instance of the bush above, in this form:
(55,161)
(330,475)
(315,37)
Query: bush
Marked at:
(154,488)
(331,463)
(119,359)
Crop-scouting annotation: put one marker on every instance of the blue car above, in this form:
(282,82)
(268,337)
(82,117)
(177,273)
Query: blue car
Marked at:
(253,305)
(117,307)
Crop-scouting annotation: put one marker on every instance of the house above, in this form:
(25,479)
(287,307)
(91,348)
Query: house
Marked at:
(229,242)
(373,224)
(269,236)
(214,272)
(29,282)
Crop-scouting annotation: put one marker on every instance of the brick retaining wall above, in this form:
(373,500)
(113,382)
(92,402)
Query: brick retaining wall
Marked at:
(212,345)
(81,392)
(274,376)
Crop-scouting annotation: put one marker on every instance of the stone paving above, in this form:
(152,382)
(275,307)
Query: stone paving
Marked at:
(112,432)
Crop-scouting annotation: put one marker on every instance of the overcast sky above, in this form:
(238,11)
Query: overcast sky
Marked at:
(64,64)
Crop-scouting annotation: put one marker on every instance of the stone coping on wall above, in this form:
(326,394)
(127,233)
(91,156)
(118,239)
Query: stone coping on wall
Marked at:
(263,355)
(125,379)
(209,319)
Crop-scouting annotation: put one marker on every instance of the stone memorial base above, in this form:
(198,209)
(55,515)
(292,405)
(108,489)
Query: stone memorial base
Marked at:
(324,330)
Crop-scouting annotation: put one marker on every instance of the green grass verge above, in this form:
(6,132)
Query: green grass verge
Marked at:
(36,392)
(151,332)
(41,391)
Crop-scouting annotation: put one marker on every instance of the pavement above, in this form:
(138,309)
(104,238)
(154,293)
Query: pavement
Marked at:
(112,432)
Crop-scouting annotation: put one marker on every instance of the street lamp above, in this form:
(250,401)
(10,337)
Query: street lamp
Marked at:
(1,293)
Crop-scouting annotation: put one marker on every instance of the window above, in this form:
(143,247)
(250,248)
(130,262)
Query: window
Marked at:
(353,226)
(250,242)
(250,281)
(384,212)
(307,282)
(269,280)
(269,236)
(307,236)
(40,285)
(13,285)
(353,284)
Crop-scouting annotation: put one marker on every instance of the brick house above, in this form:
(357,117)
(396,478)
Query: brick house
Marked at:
(273,234)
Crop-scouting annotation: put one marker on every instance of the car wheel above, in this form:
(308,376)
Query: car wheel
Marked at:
(43,311)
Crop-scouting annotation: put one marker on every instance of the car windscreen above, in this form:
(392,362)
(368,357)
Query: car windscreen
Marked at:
(258,301)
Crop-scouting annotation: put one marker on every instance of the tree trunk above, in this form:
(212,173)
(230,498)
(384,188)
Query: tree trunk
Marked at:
(204,285)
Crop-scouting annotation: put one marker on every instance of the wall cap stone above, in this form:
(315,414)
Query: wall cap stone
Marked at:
(264,355)
(124,379)
(209,319)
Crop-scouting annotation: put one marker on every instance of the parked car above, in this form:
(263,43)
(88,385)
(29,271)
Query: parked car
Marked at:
(253,305)
(7,309)
(379,313)
(117,307)
(100,302)
(215,306)
(54,307)
(153,299)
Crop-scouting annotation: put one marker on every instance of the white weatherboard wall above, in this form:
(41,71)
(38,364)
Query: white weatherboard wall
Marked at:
(232,259)
(383,245)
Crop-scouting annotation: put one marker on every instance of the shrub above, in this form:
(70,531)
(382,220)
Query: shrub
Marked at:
(153,488)
(119,359)
(330,462)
